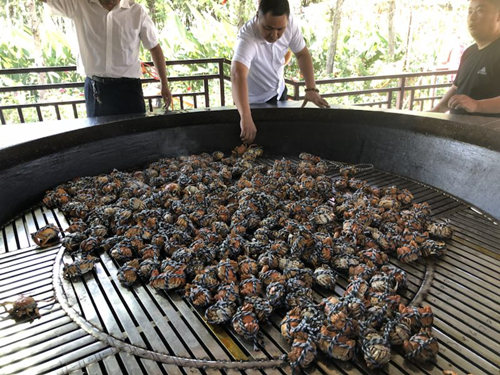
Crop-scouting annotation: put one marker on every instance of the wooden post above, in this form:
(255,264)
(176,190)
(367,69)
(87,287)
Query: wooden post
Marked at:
(401,95)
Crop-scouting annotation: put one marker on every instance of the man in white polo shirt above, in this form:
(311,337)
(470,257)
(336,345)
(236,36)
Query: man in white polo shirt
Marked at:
(109,35)
(258,62)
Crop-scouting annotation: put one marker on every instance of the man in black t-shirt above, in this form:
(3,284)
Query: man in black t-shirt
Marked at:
(476,89)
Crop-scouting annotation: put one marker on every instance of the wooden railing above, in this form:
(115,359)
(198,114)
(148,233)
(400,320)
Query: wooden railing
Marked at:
(189,91)
(411,91)
(206,83)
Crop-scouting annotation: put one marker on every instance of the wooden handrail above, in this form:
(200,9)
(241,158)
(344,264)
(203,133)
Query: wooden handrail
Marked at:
(399,89)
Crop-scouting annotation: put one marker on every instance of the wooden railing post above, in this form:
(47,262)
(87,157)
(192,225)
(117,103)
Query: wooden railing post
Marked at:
(401,95)
(221,83)
(207,93)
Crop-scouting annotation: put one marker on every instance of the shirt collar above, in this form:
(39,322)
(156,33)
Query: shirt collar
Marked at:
(123,3)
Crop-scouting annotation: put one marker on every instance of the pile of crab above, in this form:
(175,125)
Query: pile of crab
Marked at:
(243,240)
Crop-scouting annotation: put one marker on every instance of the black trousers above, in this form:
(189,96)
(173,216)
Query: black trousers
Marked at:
(113,96)
(283,97)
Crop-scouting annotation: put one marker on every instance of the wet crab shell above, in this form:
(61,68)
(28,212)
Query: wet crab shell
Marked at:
(303,351)
(410,315)
(89,245)
(341,323)
(275,293)
(79,267)
(46,236)
(71,241)
(227,271)
(172,279)
(426,316)
(336,345)
(245,322)
(23,307)
(325,277)
(432,247)
(251,286)
(298,297)
(397,331)
(356,288)
(198,295)
(408,253)
(247,266)
(376,351)
(208,278)
(122,251)
(421,347)
(228,292)
(288,324)
(128,273)
(440,230)
(268,276)
(146,267)
(261,307)
(149,252)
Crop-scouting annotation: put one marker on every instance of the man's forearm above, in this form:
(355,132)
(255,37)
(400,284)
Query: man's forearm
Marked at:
(491,105)
(239,87)
(442,106)
(305,63)
(159,61)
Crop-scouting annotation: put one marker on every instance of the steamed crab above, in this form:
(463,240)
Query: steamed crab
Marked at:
(23,307)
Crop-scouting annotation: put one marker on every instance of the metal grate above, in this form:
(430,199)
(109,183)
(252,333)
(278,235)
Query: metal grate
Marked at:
(464,297)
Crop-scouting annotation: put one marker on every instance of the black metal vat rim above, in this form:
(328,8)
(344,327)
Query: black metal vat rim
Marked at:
(476,130)
(456,154)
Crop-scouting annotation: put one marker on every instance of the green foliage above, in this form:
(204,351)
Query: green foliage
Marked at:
(207,28)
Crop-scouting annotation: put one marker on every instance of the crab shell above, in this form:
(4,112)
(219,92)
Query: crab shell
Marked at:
(303,351)
(251,286)
(24,307)
(198,295)
(79,267)
(245,322)
(421,347)
(288,324)
(399,333)
(336,345)
(275,293)
(46,236)
(376,353)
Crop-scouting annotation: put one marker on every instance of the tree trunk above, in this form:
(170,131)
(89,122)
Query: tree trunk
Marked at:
(392,37)
(34,23)
(408,40)
(335,19)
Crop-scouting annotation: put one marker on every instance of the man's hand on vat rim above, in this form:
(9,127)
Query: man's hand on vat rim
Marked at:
(312,95)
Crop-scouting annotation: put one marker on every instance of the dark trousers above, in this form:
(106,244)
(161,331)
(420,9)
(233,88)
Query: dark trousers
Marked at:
(283,97)
(113,96)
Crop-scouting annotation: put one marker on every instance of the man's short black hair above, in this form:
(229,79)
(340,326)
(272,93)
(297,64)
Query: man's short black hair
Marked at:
(276,7)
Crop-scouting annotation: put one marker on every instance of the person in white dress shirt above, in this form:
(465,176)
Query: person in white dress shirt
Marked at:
(258,62)
(109,34)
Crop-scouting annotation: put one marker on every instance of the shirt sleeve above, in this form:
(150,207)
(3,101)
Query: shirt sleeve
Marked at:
(297,42)
(66,8)
(459,76)
(244,51)
(148,33)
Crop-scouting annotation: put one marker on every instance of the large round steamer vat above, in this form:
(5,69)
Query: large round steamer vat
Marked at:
(451,161)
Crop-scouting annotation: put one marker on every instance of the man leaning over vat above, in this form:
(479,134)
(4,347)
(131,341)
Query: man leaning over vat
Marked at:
(109,35)
(258,62)
(476,89)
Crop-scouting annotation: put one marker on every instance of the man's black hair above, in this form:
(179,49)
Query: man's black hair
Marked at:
(276,7)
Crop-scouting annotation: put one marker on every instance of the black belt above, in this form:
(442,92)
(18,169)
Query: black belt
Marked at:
(108,80)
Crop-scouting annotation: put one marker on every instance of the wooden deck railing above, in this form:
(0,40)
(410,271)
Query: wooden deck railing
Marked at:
(206,83)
